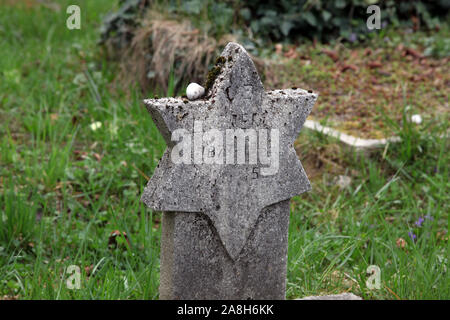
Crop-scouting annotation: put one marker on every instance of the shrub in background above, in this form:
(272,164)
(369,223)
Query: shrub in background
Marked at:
(152,37)
(325,20)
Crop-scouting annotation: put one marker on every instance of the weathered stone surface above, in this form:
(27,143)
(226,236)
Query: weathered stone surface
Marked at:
(213,210)
(229,194)
(195,265)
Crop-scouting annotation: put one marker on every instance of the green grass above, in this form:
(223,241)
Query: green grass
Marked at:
(336,234)
(65,187)
(382,77)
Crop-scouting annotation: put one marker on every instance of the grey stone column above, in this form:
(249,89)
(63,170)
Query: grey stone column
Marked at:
(195,264)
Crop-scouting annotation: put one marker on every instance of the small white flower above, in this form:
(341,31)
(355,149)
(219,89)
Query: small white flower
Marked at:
(95,125)
(194,91)
(80,79)
(343,181)
(416,118)
(125,283)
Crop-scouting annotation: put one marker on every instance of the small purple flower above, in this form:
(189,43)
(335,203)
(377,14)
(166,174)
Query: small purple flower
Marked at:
(353,37)
(419,222)
(412,236)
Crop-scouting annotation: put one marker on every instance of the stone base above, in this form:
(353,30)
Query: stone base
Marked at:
(196,266)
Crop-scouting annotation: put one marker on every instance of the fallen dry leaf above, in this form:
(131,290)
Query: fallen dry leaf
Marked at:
(367,52)
(346,67)
(88,269)
(374,64)
(291,53)
(97,156)
(401,243)
(413,53)
(112,240)
(442,235)
(10,297)
(332,54)
(54,116)
(80,155)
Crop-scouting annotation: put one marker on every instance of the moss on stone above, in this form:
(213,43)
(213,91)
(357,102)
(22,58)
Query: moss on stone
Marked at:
(220,60)
(215,71)
(211,77)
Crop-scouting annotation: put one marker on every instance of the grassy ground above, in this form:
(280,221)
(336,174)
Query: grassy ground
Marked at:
(392,69)
(75,153)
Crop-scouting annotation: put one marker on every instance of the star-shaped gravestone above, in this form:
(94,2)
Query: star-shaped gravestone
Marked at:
(204,168)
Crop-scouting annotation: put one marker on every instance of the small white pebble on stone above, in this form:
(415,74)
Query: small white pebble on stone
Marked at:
(194,91)
(416,118)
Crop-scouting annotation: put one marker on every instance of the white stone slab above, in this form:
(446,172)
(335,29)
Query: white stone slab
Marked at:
(359,144)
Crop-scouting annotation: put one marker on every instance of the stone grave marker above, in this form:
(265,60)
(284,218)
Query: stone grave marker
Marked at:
(224,184)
